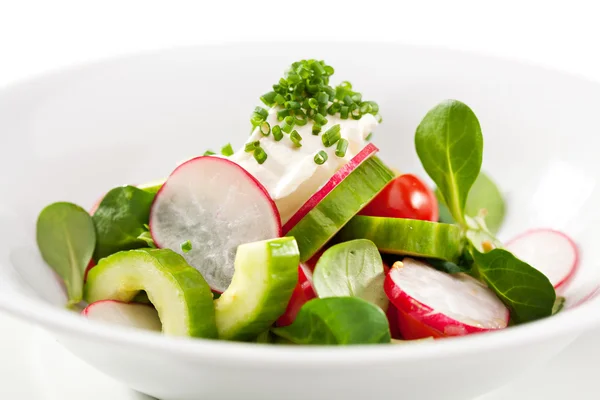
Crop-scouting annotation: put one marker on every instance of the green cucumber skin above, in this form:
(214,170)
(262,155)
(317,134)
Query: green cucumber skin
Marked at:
(409,237)
(281,277)
(339,206)
(188,282)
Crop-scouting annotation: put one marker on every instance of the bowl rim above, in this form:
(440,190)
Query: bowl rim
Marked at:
(220,352)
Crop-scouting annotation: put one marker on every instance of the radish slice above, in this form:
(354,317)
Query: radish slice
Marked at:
(216,205)
(335,180)
(135,315)
(433,303)
(553,253)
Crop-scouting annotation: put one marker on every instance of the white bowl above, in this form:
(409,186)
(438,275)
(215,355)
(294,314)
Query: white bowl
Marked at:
(74,134)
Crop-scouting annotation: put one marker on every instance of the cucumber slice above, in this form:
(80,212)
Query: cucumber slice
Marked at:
(409,237)
(178,291)
(266,274)
(337,208)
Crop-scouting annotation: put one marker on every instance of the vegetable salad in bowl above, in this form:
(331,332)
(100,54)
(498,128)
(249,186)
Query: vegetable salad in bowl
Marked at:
(303,235)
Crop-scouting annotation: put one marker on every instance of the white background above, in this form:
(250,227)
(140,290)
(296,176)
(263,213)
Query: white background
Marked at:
(40,36)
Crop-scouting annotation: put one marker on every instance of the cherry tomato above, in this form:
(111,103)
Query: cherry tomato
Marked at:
(404,197)
(302,293)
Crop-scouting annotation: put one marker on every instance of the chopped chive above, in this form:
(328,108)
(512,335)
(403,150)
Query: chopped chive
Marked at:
(262,112)
(342,146)
(281,114)
(227,150)
(328,70)
(283,83)
(331,136)
(344,110)
(346,85)
(292,105)
(330,92)
(318,69)
(260,155)
(279,99)
(303,71)
(277,134)
(322,98)
(186,246)
(288,124)
(265,128)
(355,111)
(357,97)
(256,120)
(251,146)
(209,153)
(378,118)
(316,129)
(320,119)
(300,118)
(296,138)
(268,98)
(348,100)
(369,136)
(334,108)
(313,103)
(366,108)
(293,79)
(320,157)
(374,107)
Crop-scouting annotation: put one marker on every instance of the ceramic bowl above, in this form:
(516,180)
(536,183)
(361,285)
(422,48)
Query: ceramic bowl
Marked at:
(73,135)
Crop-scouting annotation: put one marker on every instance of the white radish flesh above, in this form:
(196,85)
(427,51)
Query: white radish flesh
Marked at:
(133,315)
(551,252)
(216,205)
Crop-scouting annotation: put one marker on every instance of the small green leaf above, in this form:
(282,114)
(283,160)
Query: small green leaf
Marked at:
(338,321)
(450,145)
(66,238)
(484,195)
(186,246)
(526,292)
(120,220)
(352,269)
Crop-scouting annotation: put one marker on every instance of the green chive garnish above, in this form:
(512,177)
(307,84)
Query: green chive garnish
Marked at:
(279,99)
(331,136)
(320,119)
(209,153)
(262,112)
(322,98)
(328,70)
(344,111)
(260,155)
(355,111)
(313,103)
(342,146)
(320,157)
(296,138)
(316,129)
(268,98)
(186,246)
(365,108)
(357,97)
(348,100)
(369,136)
(251,146)
(288,124)
(281,114)
(227,150)
(300,118)
(292,105)
(277,134)
(374,107)
(265,128)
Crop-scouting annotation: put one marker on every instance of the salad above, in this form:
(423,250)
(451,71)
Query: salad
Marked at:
(305,236)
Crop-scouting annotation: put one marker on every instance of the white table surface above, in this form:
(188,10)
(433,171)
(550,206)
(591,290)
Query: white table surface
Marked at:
(40,36)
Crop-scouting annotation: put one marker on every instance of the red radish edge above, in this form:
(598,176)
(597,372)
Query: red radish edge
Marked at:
(572,268)
(252,178)
(590,296)
(303,292)
(86,310)
(417,320)
(335,180)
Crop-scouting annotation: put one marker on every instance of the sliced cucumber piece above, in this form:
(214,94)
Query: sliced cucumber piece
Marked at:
(339,206)
(266,274)
(409,237)
(178,291)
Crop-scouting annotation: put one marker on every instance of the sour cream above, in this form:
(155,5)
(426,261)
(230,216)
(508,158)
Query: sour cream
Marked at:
(290,173)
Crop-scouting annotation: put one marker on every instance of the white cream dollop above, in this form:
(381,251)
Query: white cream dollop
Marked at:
(290,173)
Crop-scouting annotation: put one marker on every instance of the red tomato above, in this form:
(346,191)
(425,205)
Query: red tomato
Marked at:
(404,197)
(302,293)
